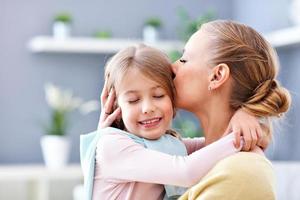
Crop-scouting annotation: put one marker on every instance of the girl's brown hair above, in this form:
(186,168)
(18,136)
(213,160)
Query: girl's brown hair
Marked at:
(253,67)
(151,62)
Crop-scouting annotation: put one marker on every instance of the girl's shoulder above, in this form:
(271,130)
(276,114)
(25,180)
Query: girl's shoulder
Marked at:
(115,141)
(112,135)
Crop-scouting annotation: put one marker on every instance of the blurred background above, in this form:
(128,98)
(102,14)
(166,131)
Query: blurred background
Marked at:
(66,43)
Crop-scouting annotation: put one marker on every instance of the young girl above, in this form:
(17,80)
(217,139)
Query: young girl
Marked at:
(142,157)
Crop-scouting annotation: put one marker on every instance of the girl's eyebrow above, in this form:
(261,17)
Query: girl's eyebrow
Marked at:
(130,92)
(136,91)
(156,87)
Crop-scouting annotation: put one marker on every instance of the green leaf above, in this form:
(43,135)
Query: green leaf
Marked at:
(174,55)
(154,21)
(63,17)
(58,123)
(189,26)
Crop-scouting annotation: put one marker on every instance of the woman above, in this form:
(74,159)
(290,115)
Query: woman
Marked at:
(226,66)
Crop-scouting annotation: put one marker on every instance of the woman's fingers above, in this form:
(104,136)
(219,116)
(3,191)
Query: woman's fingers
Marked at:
(115,115)
(108,116)
(104,94)
(109,119)
(109,104)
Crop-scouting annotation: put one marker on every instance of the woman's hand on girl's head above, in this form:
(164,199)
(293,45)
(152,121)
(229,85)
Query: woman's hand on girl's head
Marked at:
(246,127)
(108,115)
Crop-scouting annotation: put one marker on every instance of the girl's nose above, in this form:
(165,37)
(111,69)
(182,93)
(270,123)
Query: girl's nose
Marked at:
(148,107)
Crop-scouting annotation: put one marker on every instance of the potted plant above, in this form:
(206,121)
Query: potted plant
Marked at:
(188,26)
(55,143)
(62,25)
(150,30)
(103,34)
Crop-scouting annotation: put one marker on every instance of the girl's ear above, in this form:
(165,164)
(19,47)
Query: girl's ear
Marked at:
(219,75)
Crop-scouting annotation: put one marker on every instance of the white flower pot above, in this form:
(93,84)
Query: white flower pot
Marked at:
(61,30)
(150,34)
(56,150)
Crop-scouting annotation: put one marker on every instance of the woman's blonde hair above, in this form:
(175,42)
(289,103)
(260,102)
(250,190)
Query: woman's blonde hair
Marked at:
(253,67)
(151,62)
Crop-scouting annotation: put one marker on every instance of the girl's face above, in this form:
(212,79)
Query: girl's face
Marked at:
(146,108)
(191,70)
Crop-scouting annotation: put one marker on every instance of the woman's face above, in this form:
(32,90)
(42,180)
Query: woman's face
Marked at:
(191,70)
(147,109)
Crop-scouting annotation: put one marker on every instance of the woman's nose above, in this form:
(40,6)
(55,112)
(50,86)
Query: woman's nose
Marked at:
(174,68)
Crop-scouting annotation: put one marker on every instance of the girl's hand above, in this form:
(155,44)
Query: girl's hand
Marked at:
(247,126)
(108,115)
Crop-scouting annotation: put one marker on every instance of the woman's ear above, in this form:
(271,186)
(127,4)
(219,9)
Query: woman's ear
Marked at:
(219,75)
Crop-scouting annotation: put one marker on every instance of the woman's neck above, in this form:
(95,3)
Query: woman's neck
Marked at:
(214,121)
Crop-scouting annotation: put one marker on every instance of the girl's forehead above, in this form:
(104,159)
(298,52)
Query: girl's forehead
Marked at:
(136,81)
(135,75)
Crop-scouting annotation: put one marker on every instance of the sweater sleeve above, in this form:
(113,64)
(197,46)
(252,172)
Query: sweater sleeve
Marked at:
(193,144)
(123,160)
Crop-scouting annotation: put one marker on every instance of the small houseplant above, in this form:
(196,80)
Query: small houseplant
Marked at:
(61,102)
(188,25)
(55,143)
(151,28)
(62,25)
(103,34)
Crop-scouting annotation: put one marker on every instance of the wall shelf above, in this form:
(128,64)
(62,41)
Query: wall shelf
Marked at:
(280,38)
(92,45)
(284,37)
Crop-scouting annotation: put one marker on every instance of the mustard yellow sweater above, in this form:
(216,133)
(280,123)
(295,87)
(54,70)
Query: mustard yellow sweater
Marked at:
(243,176)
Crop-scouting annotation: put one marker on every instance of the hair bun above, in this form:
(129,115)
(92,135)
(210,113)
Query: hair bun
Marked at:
(261,91)
(269,99)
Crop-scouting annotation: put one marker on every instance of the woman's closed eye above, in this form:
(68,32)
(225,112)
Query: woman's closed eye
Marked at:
(182,60)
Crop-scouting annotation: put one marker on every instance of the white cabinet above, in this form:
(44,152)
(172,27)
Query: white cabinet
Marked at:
(35,182)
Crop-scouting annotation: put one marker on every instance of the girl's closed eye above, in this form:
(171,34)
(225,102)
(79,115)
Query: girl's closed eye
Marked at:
(159,93)
(132,101)
(159,96)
